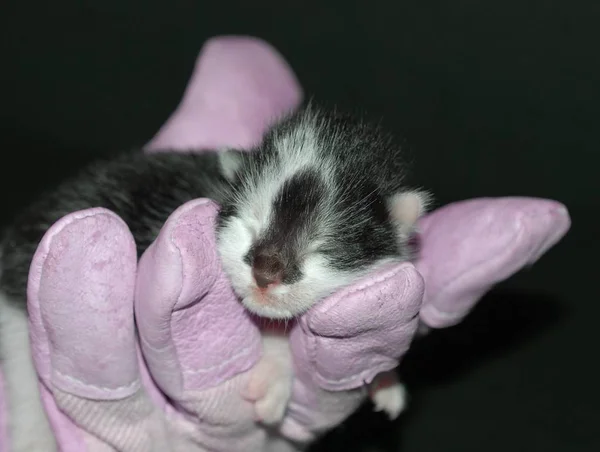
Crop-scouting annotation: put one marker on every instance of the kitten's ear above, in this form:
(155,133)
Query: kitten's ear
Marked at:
(407,207)
(230,162)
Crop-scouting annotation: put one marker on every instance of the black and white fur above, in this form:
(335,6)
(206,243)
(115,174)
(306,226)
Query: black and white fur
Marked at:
(323,196)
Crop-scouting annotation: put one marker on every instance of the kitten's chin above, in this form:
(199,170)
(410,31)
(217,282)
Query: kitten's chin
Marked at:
(266,310)
(270,308)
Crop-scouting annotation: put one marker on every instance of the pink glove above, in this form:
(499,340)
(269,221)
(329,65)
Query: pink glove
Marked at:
(196,339)
(469,246)
(175,307)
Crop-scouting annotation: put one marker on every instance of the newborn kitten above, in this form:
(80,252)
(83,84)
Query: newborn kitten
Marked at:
(317,205)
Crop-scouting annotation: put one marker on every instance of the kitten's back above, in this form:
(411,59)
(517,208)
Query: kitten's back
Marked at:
(143,189)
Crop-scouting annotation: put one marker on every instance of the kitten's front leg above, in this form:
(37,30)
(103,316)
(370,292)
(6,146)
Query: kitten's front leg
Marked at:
(388,394)
(270,385)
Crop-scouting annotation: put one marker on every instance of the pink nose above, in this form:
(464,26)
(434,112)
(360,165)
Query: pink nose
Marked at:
(267,270)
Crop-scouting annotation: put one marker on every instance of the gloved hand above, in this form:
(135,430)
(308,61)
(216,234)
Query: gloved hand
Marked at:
(179,388)
(466,248)
(174,387)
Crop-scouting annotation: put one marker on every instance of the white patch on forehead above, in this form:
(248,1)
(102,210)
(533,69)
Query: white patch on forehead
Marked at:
(297,150)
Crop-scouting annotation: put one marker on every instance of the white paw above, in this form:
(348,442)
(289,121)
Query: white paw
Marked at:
(390,399)
(270,389)
(271,408)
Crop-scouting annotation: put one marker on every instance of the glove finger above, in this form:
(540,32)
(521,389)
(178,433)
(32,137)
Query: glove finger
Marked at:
(468,247)
(194,332)
(80,294)
(360,331)
(80,299)
(239,86)
(197,339)
(344,342)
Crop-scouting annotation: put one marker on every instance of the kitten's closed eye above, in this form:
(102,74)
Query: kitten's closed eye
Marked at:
(316,247)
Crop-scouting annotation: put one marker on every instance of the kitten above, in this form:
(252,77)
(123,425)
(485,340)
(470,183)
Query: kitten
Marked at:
(317,205)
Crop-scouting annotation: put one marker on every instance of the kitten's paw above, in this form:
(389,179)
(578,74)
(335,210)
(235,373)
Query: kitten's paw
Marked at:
(390,399)
(270,389)
(271,408)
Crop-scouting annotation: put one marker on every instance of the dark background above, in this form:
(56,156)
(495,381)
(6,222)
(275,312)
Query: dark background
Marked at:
(495,98)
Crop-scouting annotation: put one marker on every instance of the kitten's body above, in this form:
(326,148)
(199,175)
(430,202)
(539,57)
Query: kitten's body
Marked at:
(143,189)
(317,205)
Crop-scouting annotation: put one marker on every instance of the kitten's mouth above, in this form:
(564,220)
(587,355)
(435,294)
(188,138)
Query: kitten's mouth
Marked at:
(262,296)
(265,304)
(270,310)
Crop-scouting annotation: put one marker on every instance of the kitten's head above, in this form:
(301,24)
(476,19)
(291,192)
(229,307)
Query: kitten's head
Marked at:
(299,225)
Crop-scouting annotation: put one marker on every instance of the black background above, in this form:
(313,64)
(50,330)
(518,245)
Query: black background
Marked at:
(495,98)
